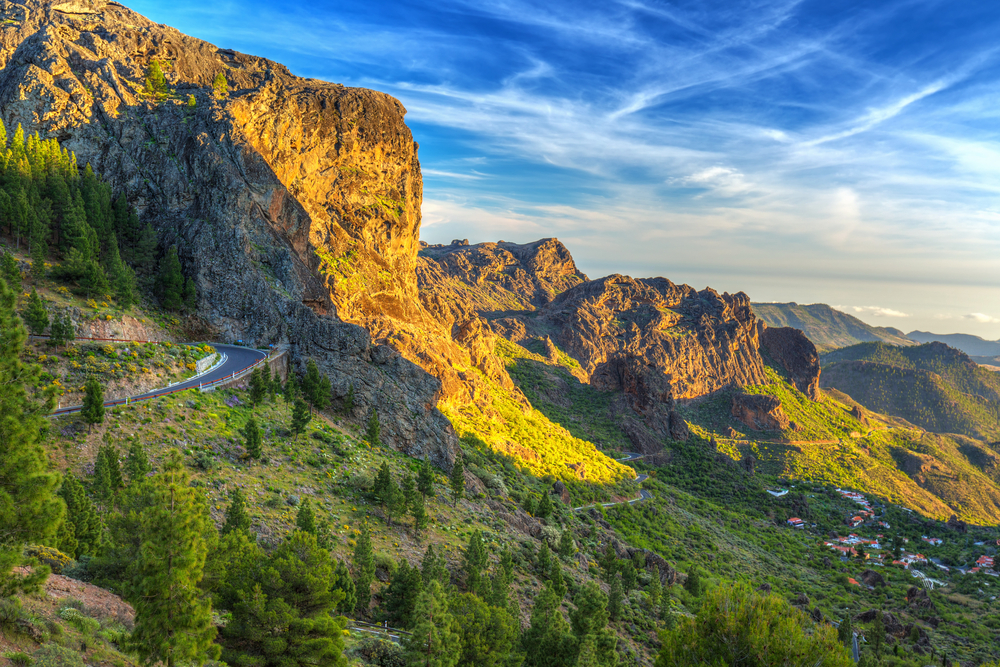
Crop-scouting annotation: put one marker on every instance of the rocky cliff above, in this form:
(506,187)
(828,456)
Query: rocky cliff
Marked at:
(294,203)
(650,341)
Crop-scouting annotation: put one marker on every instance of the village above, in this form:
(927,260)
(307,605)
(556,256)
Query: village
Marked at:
(881,550)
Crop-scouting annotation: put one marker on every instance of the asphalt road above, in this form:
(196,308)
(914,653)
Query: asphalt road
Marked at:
(639,479)
(237,359)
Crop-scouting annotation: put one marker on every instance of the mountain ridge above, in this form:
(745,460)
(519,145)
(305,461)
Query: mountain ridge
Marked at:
(826,326)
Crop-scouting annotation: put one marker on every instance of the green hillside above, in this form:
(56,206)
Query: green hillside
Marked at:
(933,386)
(825,327)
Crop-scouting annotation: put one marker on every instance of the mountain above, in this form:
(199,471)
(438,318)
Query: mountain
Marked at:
(934,386)
(294,208)
(826,327)
(974,346)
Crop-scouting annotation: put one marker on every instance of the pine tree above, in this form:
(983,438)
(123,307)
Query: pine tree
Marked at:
(693,583)
(349,401)
(566,547)
(547,642)
(615,597)
(395,502)
(62,331)
(81,514)
(401,596)
(291,391)
(258,388)
(173,623)
(171,280)
(433,642)
(544,509)
(609,562)
(409,489)
(595,643)
(503,579)
(474,560)
(434,567)
(36,316)
(311,383)
(419,513)
(544,558)
(192,102)
(877,635)
(425,479)
(845,631)
(286,620)
(457,481)
(380,487)
(655,592)
(486,633)
(219,85)
(136,463)
(156,83)
(252,439)
(93,403)
(107,474)
(364,569)
(343,582)
(237,517)
(300,417)
(190,297)
(556,577)
(305,520)
(373,430)
(9,270)
(629,576)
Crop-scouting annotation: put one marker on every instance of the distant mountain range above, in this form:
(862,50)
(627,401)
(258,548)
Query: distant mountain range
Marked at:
(826,327)
(933,386)
(974,346)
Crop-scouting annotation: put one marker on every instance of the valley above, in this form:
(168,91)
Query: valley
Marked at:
(498,459)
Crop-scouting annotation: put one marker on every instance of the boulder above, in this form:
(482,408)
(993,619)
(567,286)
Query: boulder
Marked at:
(872,578)
(801,600)
(859,413)
(759,412)
(957,524)
(764,588)
(797,355)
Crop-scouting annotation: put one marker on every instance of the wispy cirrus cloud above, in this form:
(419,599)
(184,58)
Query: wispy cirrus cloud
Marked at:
(982,318)
(875,311)
(765,138)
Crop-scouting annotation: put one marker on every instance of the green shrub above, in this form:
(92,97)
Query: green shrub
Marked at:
(381,653)
(386,562)
(19,658)
(53,655)
(78,620)
(55,559)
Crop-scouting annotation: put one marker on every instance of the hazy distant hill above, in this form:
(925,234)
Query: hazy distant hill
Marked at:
(974,346)
(934,386)
(826,327)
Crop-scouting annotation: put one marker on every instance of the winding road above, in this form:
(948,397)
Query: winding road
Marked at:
(643,493)
(233,360)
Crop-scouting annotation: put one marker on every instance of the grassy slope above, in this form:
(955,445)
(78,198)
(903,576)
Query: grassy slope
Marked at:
(825,327)
(938,388)
(947,475)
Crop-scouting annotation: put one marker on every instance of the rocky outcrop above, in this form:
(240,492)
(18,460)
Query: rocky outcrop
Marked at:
(797,355)
(759,412)
(294,203)
(651,341)
(496,277)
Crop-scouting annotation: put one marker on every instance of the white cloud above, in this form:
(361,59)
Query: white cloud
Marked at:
(879,311)
(724,181)
(982,318)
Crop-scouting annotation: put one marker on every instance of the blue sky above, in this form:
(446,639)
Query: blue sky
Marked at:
(838,152)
